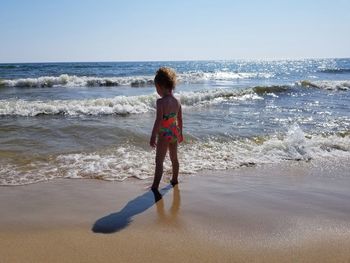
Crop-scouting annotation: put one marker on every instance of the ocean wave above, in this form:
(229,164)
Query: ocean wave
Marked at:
(91,66)
(77,81)
(120,105)
(133,81)
(271,89)
(326,84)
(335,70)
(7,66)
(121,162)
(124,105)
(199,76)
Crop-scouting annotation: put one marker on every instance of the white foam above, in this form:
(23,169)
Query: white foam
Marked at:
(37,171)
(77,81)
(327,84)
(120,105)
(199,76)
(134,81)
(125,161)
(214,96)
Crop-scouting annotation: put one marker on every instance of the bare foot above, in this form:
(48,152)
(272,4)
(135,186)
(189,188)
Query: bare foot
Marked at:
(157,195)
(173,182)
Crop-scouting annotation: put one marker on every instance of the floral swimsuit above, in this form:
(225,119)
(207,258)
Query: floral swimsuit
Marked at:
(169,129)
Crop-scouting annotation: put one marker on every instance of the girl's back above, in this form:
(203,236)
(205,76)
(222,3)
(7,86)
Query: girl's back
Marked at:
(169,105)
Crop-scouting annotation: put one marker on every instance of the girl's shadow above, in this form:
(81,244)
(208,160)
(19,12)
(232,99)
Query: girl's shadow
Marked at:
(119,220)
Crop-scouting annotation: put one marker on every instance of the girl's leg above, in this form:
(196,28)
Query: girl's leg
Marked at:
(162,147)
(174,162)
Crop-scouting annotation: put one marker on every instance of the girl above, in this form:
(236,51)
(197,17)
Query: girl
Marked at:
(168,124)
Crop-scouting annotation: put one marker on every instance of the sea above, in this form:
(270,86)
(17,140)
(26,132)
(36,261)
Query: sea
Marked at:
(94,120)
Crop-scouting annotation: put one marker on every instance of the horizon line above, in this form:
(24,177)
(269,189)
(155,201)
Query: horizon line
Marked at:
(175,60)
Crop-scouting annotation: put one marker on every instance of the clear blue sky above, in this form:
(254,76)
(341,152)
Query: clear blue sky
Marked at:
(112,30)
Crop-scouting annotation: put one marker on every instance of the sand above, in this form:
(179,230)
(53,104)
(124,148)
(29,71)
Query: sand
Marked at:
(289,213)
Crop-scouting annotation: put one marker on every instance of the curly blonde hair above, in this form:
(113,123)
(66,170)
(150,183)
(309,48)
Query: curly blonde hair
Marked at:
(166,78)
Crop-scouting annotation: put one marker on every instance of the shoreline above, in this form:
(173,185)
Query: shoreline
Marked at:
(272,213)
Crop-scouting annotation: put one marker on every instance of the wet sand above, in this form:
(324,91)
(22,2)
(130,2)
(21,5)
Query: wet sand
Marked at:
(289,213)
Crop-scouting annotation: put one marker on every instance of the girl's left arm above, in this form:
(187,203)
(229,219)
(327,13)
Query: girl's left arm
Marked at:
(156,124)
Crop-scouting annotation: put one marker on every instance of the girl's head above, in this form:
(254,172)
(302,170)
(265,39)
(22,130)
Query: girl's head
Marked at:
(165,80)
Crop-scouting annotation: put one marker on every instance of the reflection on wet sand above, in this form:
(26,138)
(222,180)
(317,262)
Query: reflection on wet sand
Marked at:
(171,217)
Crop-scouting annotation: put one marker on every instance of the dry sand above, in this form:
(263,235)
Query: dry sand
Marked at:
(289,213)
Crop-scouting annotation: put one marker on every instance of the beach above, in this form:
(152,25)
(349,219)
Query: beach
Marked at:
(273,213)
(264,174)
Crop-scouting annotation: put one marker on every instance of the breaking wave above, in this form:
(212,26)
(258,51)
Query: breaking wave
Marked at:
(121,162)
(270,89)
(123,105)
(133,81)
(77,81)
(326,84)
(335,70)
(118,105)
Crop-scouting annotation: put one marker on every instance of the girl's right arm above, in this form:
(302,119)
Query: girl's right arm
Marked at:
(179,121)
